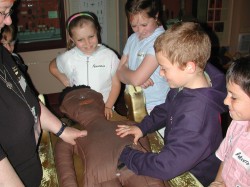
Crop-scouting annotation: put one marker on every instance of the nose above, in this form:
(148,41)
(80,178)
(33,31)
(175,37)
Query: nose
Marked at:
(226,100)
(87,43)
(140,30)
(7,20)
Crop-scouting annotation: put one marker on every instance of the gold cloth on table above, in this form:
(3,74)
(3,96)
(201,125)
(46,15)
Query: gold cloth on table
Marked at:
(47,159)
(135,103)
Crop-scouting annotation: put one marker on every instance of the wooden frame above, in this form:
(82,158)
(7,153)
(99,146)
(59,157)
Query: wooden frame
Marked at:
(40,25)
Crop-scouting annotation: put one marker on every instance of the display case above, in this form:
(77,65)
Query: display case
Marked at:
(40,25)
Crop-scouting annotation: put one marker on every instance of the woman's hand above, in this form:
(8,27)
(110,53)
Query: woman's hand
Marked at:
(124,130)
(70,134)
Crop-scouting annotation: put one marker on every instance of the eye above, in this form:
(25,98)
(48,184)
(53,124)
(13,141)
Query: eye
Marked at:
(233,98)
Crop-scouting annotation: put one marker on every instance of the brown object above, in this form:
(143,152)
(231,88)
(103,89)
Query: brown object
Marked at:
(100,149)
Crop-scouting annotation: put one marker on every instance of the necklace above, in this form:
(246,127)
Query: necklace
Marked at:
(8,84)
(17,91)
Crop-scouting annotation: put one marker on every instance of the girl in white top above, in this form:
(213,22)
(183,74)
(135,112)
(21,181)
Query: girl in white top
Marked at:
(87,62)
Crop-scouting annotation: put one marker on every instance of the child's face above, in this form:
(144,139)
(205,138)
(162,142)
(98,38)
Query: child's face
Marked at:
(7,42)
(175,76)
(143,25)
(238,102)
(85,38)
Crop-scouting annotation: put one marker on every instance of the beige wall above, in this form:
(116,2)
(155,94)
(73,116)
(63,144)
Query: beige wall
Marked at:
(38,69)
(240,22)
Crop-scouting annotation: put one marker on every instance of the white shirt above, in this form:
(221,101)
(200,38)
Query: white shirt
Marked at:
(95,70)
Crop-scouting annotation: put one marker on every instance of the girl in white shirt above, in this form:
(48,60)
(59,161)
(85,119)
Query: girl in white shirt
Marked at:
(87,62)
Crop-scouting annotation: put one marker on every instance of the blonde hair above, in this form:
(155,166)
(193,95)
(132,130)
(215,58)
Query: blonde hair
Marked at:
(185,42)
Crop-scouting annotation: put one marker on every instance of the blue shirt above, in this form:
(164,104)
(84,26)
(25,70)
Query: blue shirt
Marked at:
(136,50)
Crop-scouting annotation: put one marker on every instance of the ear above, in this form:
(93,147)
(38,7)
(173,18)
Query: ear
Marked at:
(71,39)
(190,67)
(156,16)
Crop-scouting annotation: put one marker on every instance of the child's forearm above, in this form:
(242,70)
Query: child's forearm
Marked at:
(114,93)
(218,182)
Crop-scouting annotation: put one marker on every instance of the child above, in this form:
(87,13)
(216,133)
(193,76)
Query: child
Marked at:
(234,151)
(87,62)
(8,39)
(191,112)
(138,66)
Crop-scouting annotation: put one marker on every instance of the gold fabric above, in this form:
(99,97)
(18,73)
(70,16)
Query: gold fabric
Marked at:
(135,102)
(47,159)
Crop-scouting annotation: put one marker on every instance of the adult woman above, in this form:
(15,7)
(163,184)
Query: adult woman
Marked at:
(20,117)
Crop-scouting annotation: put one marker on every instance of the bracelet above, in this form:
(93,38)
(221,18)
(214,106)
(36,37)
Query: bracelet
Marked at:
(108,107)
(64,125)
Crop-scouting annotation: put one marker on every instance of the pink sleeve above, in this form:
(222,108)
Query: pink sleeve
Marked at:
(224,146)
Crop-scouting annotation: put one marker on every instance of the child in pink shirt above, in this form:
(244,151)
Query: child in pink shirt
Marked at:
(234,151)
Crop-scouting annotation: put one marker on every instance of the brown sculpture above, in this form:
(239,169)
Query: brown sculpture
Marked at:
(100,149)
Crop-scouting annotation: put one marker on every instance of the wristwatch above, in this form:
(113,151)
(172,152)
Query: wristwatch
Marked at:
(64,125)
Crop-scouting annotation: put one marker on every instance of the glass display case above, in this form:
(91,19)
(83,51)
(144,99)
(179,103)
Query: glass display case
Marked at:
(40,25)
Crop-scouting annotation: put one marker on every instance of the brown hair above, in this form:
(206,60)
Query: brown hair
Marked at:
(150,7)
(78,20)
(185,42)
(239,73)
(9,29)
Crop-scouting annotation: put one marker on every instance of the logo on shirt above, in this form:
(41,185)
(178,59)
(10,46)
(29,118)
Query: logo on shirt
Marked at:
(98,66)
(141,54)
(241,158)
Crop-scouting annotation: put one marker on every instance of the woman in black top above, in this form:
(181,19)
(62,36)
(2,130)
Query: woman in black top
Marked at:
(20,117)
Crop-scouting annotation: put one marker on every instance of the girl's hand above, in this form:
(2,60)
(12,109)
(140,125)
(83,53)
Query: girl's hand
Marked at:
(148,83)
(70,134)
(124,130)
(108,113)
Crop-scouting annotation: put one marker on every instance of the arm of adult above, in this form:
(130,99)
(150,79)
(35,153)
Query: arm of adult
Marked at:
(55,72)
(8,176)
(51,123)
(113,95)
(139,76)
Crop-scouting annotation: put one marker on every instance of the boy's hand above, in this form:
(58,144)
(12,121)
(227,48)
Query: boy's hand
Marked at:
(217,184)
(124,130)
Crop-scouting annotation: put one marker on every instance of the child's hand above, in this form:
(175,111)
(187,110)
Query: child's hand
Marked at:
(148,83)
(124,130)
(108,113)
(217,184)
